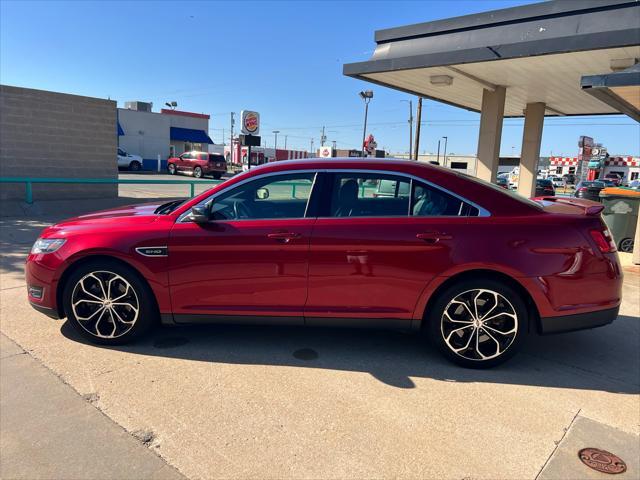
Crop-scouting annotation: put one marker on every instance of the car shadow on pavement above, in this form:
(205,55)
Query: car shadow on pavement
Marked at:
(580,360)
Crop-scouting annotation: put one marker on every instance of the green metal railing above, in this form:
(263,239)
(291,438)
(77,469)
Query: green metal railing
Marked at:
(29,181)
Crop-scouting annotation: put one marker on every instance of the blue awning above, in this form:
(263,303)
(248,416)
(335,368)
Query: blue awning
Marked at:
(120,130)
(190,135)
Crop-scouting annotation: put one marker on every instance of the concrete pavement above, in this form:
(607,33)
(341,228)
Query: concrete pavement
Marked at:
(49,432)
(253,402)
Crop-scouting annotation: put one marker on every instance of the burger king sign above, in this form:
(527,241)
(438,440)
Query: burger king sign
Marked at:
(250,122)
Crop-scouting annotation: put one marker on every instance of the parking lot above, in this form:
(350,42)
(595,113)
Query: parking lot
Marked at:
(276,402)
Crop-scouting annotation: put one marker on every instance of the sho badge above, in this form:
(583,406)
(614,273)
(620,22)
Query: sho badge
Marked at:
(153,251)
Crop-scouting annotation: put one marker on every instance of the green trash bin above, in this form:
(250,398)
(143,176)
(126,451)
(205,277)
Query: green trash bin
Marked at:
(621,215)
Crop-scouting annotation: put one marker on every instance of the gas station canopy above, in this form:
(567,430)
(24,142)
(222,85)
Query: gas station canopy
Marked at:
(538,53)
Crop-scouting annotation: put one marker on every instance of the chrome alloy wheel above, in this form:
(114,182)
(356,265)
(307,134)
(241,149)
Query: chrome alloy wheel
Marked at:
(479,324)
(105,304)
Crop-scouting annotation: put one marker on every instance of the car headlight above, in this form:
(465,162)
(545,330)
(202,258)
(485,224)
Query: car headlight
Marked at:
(47,245)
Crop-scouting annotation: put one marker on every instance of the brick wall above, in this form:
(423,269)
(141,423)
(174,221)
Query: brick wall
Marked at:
(49,134)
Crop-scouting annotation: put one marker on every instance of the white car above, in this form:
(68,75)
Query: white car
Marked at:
(557,181)
(129,161)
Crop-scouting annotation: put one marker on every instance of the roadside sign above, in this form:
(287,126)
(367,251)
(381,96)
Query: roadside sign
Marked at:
(325,152)
(250,122)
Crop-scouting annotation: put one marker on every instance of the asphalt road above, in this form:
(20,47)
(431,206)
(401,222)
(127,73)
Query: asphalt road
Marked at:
(256,402)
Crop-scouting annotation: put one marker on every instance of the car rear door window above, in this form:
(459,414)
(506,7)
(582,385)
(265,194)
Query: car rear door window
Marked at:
(369,195)
(428,201)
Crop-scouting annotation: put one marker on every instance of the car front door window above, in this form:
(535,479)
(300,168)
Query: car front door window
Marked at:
(273,197)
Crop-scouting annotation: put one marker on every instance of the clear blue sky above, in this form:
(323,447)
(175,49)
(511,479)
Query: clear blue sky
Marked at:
(283,59)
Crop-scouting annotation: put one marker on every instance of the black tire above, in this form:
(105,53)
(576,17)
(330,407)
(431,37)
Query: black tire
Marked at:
(217,175)
(505,299)
(197,172)
(139,295)
(626,245)
(171,168)
(135,166)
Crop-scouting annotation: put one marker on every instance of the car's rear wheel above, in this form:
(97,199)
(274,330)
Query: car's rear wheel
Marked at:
(172,169)
(135,166)
(109,303)
(478,323)
(626,245)
(197,172)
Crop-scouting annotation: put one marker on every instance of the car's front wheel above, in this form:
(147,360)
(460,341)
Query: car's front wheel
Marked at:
(135,166)
(478,323)
(109,303)
(172,169)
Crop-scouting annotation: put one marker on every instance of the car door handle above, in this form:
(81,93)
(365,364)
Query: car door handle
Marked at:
(433,237)
(283,236)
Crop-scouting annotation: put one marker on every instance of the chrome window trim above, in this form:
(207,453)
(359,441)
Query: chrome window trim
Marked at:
(482,212)
(183,217)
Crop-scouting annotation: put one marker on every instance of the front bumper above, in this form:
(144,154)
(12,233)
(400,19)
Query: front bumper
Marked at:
(579,321)
(49,312)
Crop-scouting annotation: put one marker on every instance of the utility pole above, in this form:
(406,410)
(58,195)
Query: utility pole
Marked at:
(276,132)
(444,161)
(418,120)
(410,102)
(311,152)
(323,137)
(285,141)
(231,146)
(410,127)
(438,157)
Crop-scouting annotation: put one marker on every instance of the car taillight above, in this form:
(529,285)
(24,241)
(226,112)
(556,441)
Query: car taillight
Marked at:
(603,240)
(582,189)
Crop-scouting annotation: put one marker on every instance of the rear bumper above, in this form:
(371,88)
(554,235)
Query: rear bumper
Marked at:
(579,321)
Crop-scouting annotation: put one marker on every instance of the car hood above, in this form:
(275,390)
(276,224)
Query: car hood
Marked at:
(115,217)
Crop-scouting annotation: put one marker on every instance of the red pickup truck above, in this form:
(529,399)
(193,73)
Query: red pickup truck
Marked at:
(198,164)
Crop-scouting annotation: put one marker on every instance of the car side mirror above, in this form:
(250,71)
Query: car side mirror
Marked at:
(262,193)
(200,214)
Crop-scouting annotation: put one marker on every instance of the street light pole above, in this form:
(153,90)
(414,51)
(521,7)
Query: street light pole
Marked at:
(276,132)
(438,157)
(285,141)
(444,154)
(366,95)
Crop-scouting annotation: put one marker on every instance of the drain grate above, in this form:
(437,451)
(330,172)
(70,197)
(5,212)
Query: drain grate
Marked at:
(602,461)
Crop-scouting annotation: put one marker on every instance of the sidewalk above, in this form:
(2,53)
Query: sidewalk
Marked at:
(49,431)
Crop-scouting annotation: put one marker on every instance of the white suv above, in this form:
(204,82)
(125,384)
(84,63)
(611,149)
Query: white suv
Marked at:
(128,160)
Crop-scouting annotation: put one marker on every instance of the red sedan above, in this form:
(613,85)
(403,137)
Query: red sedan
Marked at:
(309,243)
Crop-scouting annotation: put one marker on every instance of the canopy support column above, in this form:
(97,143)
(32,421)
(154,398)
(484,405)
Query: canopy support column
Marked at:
(490,135)
(530,153)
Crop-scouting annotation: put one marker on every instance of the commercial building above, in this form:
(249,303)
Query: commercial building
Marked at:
(627,167)
(56,135)
(154,135)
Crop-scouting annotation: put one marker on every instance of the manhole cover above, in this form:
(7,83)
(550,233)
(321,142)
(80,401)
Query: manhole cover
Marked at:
(170,342)
(602,461)
(305,354)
